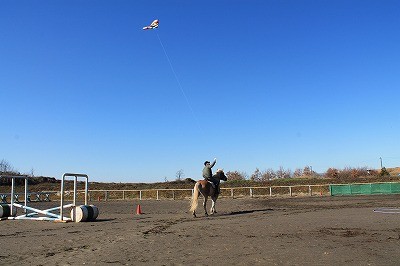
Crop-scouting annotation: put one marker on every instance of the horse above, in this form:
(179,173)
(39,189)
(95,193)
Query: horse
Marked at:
(206,189)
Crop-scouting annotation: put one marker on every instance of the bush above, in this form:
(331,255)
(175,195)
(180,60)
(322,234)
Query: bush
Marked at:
(384,172)
(347,173)
(353,173)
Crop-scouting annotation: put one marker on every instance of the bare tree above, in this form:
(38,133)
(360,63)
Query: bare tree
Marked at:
(307,171)
(236,175)
(32,172)
(5,167)
(283,173)
(179,175)
(332,173)
(268,174)
(256,176)
(298,173)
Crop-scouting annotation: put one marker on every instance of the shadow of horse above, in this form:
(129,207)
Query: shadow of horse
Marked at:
(237,213)
(246,212)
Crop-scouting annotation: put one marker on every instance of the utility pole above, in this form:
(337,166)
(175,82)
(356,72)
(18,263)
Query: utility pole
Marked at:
(380,158)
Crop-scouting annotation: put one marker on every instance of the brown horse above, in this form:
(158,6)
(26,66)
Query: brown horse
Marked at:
(206,189)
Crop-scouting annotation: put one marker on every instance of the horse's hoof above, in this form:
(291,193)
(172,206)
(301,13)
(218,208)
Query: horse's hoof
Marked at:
(206,214)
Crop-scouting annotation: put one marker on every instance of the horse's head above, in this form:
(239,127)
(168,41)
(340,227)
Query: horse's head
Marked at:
(220,175)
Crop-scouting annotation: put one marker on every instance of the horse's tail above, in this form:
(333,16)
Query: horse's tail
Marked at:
(194,199)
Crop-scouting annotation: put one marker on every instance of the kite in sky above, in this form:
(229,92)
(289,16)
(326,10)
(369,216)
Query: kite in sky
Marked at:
(153,25)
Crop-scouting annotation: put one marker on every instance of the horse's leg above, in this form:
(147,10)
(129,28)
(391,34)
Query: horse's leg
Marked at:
(213,200)
(205,205)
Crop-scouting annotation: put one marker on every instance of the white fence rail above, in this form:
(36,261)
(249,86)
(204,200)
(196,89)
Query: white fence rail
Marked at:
(32,196)
(158,194)
(234,192)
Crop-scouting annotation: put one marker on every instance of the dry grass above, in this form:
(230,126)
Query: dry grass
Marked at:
(394,171)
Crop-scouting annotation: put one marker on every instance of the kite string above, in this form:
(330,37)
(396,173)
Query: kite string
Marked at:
(179,83)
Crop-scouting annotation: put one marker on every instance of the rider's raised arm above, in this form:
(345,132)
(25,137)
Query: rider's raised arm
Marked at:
(213,163)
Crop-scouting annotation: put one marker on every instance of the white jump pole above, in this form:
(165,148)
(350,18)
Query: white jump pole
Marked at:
(45,212)
(48,210)
(12,212)
(12,196)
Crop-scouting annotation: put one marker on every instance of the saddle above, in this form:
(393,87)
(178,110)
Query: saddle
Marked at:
(214,185)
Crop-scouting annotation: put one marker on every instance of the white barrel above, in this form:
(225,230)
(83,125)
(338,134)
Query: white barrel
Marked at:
(5,210)
(84,213)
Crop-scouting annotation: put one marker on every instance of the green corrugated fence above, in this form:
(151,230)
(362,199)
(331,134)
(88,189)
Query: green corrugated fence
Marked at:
(364,189)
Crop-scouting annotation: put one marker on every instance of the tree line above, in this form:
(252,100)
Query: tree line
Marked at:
(306,172)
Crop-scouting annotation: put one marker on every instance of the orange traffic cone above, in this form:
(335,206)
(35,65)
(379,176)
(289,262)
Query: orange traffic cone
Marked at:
(138,209)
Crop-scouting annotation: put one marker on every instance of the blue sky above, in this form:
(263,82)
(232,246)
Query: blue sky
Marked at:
(257,84)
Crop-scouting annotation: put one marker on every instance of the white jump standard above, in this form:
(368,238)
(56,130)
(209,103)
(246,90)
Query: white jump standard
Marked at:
(78,213)
(29,212)
(82,213)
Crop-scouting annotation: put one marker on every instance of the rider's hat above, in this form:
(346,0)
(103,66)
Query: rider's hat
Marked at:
(206,162)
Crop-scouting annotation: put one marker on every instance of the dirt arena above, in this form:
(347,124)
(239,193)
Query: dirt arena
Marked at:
(277,231)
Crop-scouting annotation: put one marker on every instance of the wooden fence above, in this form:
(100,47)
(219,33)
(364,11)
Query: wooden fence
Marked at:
(158,194)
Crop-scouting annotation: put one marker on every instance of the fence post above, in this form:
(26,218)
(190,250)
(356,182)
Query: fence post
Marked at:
(173,194)
(123,194)
(251,192)
(140,195)
(157,195)
(105,196)
(270,191)
(310,190)
(232,193)
(290,190)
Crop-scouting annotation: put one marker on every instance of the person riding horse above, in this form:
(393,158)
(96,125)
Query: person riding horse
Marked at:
(207,189)
(207,174)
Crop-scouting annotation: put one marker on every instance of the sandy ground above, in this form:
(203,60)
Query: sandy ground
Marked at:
(277,231)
